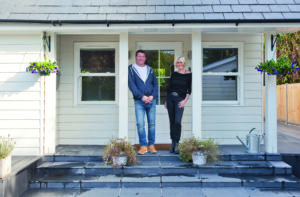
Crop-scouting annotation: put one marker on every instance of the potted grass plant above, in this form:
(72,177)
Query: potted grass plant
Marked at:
(119,152)
(6,148)
(199,151)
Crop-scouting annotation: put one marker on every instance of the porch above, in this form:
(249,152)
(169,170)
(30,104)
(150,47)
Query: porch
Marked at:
(80,121)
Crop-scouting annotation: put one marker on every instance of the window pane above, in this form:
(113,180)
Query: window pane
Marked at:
(97,60)
(163,84)
(152,60)
(166,62)
(219,88)
(98,89)
(220,60)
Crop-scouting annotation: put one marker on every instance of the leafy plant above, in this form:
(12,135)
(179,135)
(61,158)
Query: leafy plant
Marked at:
(208,147)
(6,147)
(282,67)
(44,68)
(289,43)
(117,147)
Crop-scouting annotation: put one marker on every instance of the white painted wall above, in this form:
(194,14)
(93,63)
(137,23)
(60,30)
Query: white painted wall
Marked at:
(224,122)
(81,123)
(20,92)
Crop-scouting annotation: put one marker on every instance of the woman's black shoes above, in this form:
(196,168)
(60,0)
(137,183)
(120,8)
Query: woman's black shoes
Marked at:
(172,149)
(176,151)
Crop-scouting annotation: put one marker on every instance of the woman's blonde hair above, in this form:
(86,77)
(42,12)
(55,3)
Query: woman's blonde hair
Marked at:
(182,59)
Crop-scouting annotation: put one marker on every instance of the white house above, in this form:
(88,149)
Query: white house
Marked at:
(94,41)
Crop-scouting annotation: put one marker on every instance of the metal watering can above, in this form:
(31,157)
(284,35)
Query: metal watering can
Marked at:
(253,142)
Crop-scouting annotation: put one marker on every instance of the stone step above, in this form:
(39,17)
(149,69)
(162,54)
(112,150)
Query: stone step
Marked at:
(176,167)
(200,180)
(162,155)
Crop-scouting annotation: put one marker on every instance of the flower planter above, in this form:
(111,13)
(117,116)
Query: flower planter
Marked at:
(44,74)
(119,160)
(5,166)
(199,158)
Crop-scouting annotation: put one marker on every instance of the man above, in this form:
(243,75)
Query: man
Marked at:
(143,85)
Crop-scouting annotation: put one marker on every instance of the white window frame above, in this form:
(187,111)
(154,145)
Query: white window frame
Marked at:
(77,74)
(177,46)
(239,74)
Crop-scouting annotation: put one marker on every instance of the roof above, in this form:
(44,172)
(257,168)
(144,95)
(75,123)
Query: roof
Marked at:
(150,10)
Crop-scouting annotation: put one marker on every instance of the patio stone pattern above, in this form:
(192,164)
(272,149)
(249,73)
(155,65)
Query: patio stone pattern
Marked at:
(82,167)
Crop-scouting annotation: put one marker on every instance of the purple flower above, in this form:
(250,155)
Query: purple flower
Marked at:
(292,56)
(284,58)
(297,68)
(294,62)
(269,74)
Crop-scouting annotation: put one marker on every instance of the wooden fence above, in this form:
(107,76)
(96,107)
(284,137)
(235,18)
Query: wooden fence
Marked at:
(288,103)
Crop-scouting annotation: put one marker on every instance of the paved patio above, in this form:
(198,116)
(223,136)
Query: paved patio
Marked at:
(164,192)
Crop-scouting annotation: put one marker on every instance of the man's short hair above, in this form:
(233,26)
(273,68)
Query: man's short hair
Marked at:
(140,51)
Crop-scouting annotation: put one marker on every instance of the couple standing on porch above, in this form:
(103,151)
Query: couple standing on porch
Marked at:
(143,85)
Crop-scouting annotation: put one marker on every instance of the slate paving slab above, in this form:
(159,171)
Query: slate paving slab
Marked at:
(182,192)
(215,180)
(140,192)
(225,192)
(181,181)
(269,193)
(131,182)
(111,192)
(51,193)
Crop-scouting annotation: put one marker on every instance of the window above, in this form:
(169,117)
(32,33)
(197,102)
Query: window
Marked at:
(222,73)
(95,73)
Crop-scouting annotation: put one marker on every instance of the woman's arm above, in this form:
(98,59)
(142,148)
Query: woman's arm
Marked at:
(182,103)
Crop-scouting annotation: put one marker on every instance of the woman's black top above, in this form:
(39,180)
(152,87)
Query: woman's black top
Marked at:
(181,83)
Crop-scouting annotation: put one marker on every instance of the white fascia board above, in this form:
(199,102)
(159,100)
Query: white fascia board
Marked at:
(178,27)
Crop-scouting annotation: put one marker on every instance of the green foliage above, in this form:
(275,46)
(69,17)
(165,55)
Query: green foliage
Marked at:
(117,147)
(289,43)
(44,68)
(282,67)
(208,147)
(6,147)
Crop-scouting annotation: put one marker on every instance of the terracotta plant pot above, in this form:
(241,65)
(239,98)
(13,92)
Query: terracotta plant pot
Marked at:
(5,166)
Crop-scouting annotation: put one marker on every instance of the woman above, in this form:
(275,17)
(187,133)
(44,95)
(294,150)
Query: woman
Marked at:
(179,92)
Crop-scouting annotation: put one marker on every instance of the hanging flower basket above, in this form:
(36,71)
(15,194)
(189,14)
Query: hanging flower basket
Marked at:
(282,67)
(44,68)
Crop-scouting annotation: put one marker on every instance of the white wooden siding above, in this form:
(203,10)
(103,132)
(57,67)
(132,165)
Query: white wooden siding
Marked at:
(223,123)
(20,92)
(81,123)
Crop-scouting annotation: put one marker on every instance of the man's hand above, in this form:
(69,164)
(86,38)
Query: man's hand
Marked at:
(151,98)
(146,99)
